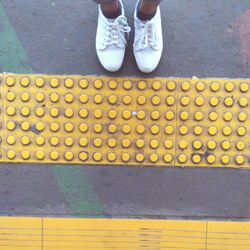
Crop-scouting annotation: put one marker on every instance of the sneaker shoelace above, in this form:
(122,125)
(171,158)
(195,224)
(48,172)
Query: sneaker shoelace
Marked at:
(115,31)
(147,36)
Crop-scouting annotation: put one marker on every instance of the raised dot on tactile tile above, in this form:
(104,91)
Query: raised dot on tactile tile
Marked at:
(211,145)
(112,128)
(243,102)
(198,116)
(184,101)
(69,141)
(196,159)
(141,115)
(126,143)
(168,144)
(112,84)
(83,127)
(112,157)
(83,142)
(11,125)
(226,145)
(126,114)
(228,102)
(140,129)
(240,145)
(11,96)
(112,143)
(40,126)
(25,155)
(155,115)
(54,141)
(154,130)
(242,117)
(11,154)
(54,112)
(184,115)
(227,116)
(169,130)
(183,130)
(25,111)
(25,81)
(141,100)
(199,101)
(168,158)
(112,99)
(10,81)
(182,158)
(25,140)
(98,99)
(39,112)
(240,160)
(83,156)
(197,144)
(126,129)
(40,82)
(97,157)
(229,86)
(156,100)
(98,114)
(40,141)
(182,144)
(69,127)
(68,156)
(241,131)
(127,85)
(54,97)
(98,128)
(171,85)
(215,86)
(69,113)
(211,159)
(244,87)
(214,101)
(212,130)
(54,155)
(226,131)
(154,144)
(112,114)
(83,84)
(83,98)
(69,83)
(140,143)
(40,97)
(185,86)
(40,155)
(170,100)
(11,140)
(11,111)
(54,83)
(139,157)
(156,85)
(225,159)
(83,113)
(198,130)
(213,116)
(69,98)
(54,127)
(200,86)
(141,85)
(25,126)
(125,157)
(98,84)
(154,158)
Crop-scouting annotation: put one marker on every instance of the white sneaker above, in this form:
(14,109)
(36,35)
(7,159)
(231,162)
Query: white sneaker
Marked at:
(148,44)
(111,41)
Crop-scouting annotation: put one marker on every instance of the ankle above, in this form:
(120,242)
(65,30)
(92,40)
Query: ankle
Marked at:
(111,7)
(148,7)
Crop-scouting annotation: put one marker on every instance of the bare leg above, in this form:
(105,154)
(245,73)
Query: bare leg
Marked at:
(149,6)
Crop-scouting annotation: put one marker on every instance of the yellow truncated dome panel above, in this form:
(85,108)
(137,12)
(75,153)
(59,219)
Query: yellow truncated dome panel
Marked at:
(101,120)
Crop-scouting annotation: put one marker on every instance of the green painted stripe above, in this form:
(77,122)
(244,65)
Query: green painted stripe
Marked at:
(72,181)
(13,57)
(78,191)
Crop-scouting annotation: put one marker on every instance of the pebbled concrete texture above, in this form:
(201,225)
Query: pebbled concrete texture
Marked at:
(202,38)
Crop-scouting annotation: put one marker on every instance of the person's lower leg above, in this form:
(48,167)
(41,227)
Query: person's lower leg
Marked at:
(147,9)
(111,9)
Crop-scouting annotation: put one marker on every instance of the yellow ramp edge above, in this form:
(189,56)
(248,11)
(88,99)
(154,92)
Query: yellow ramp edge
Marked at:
(125,121)
(61,233)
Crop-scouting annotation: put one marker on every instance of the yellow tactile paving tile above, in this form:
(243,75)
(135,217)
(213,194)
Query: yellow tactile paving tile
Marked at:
(133,234)
(125,121)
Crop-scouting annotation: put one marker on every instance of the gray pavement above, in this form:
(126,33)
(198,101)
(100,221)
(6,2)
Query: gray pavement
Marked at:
(201,39)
